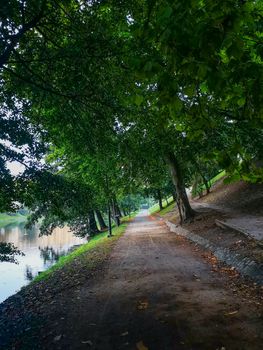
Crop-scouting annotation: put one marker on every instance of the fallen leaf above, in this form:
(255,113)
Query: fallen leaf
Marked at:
(58,337)
(231,313)
(141,346)
(142,305)
(89,342)
(124,334)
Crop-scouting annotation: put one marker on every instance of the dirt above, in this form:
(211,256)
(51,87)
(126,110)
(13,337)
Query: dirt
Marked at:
(157,291)
(239,196)
(205,226)
(239,204)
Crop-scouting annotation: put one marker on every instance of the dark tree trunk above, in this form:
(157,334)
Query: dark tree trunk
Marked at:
(167,203)
(109,219)
(207,187)
(93,228)
(160,199)
(115,213)
(101,221)
(182,200)
(117,208)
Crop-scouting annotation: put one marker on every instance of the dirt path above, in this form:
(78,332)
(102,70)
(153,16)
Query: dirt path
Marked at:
(157,293)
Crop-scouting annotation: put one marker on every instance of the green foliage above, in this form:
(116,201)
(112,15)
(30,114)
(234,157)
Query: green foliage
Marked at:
(108,104)
(8,252)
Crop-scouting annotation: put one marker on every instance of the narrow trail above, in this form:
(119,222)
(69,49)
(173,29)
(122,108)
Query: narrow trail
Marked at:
(157,293)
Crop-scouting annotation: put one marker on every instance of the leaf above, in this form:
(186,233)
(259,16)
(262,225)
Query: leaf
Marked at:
(231,313)
(138,100)
(143,305)
(167,11)
(141,346)
(241,101)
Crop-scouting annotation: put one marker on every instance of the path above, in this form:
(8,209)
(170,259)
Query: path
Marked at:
(157,293)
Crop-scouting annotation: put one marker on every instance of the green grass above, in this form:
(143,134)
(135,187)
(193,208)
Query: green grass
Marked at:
(6,219)
(98,243)
(218,177)
(155,208)
(213,180)
(167,209)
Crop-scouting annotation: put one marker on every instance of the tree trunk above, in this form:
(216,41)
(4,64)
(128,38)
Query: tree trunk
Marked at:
(182,200)
(93,228)
(109,220)
(115,213)
(160,199)
(117,208)
(207,187)
(174,196)
(101,221)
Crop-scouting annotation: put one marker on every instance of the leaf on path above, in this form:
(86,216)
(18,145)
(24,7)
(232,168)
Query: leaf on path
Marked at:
(124,334)
(142,305)
(89,342)
(231,313)
(58,337)
(141,346)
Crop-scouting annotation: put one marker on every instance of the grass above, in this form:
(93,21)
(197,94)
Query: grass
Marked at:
(217,177)
(6,219)
(167,209)
(97,247)
(155,208)
(214,180)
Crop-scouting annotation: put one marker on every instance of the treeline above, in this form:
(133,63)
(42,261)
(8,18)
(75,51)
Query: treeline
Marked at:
(127,97)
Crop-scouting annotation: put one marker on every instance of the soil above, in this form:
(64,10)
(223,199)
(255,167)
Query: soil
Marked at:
(240,196)
(155,291)
(239,204)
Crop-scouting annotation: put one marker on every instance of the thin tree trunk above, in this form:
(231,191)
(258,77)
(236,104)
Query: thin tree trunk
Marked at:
(117,208)
(160,199)
(109,220)
(167,203)
(116,212)
(207,187)
(93,228)
(182,200)
(101,221)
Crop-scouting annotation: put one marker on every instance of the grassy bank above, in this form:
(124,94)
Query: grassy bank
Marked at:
(90,254)
(6,219)
(155,208)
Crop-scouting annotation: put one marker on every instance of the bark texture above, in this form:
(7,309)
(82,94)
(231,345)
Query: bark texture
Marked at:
(185,210)
(101,221)
(159,195)
(93,228)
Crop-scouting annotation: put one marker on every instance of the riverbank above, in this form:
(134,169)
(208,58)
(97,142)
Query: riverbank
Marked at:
(31,308)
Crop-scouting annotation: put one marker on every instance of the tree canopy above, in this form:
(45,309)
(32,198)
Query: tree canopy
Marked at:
(102,99)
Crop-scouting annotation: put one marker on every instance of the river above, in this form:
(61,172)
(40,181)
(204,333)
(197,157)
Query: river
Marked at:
(40,254)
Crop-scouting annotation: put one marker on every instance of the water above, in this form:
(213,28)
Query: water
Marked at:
(40,254)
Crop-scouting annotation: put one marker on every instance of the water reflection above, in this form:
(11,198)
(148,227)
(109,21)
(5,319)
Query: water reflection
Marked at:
(40,254)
